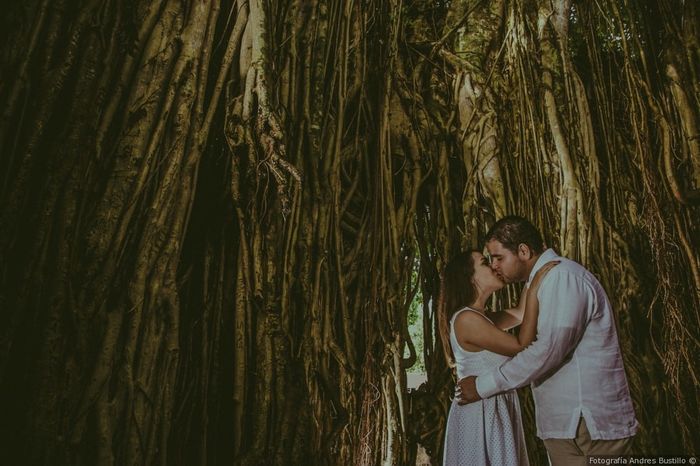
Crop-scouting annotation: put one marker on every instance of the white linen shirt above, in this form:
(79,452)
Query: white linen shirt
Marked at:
(575,365)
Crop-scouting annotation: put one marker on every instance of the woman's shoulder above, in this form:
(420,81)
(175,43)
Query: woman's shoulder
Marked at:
(466,326)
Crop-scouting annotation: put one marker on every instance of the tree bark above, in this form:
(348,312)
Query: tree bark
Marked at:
(212,213)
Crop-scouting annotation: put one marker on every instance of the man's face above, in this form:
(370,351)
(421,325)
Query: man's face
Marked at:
(511,267)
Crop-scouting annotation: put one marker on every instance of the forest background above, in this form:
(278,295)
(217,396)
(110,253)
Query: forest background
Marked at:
(216,215)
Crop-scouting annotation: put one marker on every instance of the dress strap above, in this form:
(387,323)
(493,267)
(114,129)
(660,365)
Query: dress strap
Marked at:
(466,308)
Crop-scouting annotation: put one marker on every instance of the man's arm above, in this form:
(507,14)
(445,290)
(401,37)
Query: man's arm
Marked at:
(566,302)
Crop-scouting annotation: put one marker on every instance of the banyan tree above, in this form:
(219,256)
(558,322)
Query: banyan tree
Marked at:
(215,215)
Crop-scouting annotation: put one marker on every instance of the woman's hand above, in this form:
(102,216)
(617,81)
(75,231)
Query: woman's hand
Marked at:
(537,279)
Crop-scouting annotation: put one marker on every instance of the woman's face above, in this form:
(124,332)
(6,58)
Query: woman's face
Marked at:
(484,277)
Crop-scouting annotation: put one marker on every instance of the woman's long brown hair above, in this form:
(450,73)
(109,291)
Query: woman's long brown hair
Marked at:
(457,290)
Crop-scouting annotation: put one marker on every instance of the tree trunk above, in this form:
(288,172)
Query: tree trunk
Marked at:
(212,212)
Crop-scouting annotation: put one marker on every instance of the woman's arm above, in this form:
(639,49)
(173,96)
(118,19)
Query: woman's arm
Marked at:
(473,329)
(510,318)
(528,328)
(476,330)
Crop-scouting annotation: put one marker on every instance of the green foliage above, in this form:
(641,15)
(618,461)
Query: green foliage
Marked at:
(415,323)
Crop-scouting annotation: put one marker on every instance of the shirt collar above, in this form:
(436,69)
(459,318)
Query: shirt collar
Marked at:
(546,256)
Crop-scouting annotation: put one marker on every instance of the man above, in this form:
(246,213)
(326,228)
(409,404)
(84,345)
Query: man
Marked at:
(582,400)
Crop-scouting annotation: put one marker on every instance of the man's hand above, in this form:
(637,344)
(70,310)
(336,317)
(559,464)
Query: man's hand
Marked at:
(466,390)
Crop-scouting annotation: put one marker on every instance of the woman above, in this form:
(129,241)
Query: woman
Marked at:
(488,432)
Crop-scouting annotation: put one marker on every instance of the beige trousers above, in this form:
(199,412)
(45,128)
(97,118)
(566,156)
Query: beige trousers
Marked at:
(575,452)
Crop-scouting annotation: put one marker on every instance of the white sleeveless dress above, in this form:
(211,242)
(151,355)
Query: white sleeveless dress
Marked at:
(488,432)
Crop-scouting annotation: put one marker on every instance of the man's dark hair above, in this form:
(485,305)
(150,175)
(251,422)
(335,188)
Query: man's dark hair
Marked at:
(512,231)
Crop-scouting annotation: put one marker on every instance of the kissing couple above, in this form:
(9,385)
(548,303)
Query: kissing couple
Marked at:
(566,349)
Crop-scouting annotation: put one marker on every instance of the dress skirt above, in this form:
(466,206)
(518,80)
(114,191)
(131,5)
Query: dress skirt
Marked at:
(486,433)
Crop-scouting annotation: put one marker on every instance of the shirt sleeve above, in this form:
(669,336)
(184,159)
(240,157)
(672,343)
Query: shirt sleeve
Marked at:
(566,301)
